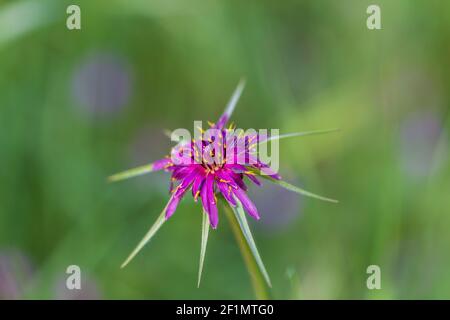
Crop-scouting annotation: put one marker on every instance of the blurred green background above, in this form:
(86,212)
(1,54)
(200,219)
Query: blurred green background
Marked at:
(77,106)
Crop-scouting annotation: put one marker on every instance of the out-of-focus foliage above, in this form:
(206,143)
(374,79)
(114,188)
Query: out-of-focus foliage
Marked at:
(76,106)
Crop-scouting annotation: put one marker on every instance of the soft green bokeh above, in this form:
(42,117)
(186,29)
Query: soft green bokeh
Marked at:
(308,64)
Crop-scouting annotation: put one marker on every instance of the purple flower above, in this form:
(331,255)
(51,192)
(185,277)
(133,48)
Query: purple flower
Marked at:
(210,178)
(217,163)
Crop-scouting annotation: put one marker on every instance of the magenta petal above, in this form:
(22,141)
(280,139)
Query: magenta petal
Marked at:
(161,164)
(171,186)
(172,206)
(179,193)
(196,186)
(238,168)
(237,178)
(204,196)
(181,172)
(263,168)
(227,193)
(213,215)
(266,170)
(185,184)
(246,203)
(209,201)
(222,121)
(225,177)
(210,187)
(254,179)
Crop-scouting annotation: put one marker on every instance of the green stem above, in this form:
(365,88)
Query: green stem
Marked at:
(259,285)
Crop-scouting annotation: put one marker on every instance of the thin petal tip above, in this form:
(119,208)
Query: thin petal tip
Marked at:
(242,82)
(111,179)
(214,226)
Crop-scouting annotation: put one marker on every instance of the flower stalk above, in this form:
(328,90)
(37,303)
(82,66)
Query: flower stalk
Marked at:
(260,286)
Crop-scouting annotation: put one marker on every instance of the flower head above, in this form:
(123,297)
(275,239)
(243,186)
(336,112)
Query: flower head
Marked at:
(215,166)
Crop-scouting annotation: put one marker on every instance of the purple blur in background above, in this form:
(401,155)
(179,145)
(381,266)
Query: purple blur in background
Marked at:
(89,289)
(419,136)
(16,272)
(102,84)
(278,207)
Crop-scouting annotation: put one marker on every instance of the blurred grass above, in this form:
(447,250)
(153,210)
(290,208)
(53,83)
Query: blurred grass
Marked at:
(309,65)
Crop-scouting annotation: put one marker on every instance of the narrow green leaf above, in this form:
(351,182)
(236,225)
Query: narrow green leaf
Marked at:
(131,173)
(151,232)
(242,220)
(234,99)
(205,231)
(296,134)
(300,134)
(296,189)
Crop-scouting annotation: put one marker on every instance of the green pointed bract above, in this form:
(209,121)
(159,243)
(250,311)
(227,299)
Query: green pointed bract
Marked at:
(131,173)
(205,232)
(299,134)
(298,190)
(242,220)
(148,236)
(234,99)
